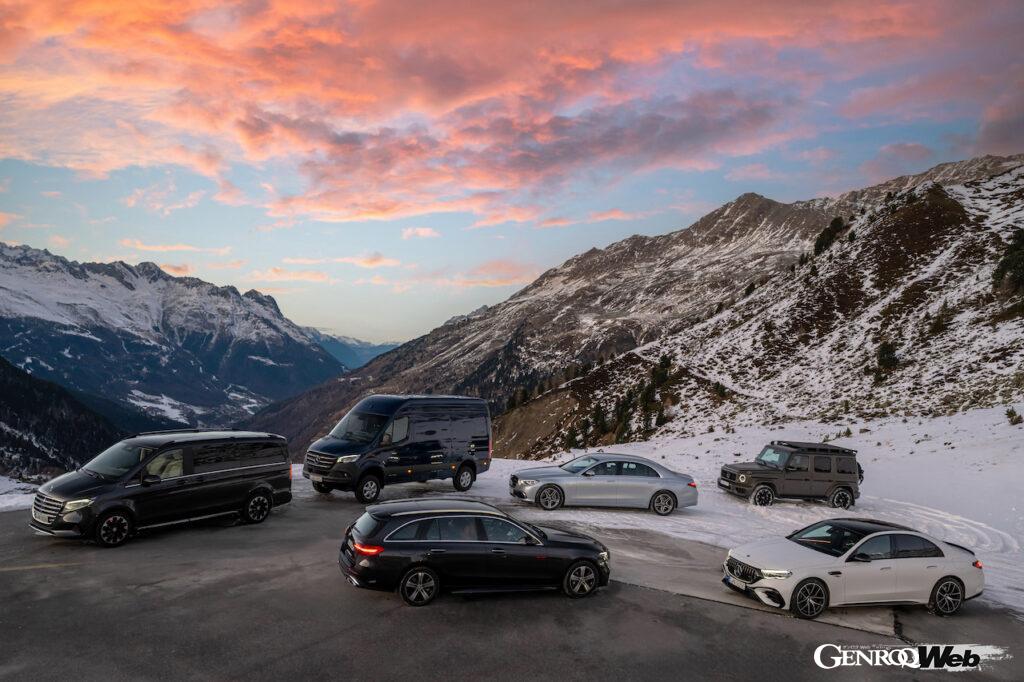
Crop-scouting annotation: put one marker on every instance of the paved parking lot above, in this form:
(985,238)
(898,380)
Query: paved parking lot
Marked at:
(219,601)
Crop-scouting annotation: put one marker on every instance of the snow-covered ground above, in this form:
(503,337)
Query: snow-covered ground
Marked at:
(15,494)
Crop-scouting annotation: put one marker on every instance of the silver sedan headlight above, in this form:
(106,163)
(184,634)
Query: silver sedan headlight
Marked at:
(775,573)
(527,482)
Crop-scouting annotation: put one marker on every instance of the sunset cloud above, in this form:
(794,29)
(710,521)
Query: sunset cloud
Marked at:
(284,275)
(178,270)
(58,241)
(236,264)
(750,171)
(139,245)
(900,158)
(419,233)
(6,218)
(370,261)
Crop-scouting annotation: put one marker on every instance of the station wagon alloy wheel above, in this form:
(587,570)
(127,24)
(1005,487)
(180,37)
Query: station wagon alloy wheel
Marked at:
(419,586)
(114,530)
(949,595)
(810,599)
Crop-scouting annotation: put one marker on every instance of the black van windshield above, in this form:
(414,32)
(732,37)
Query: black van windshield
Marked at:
(117,460)
(360,427)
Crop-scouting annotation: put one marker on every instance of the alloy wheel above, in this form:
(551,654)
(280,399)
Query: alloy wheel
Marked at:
(664,504)
(841,499)
(763,497)
(549,498)
(582,579)
(810,600)
(259,507)
(419,587)
(370,489)
(114,529)
(465,479)
(948,597)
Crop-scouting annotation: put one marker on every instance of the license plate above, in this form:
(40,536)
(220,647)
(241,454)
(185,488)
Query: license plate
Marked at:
(316,478)
(723,483)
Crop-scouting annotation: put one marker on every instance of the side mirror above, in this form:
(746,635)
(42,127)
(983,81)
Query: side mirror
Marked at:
(861,557)
(530,540)
(150,479)
(589,472)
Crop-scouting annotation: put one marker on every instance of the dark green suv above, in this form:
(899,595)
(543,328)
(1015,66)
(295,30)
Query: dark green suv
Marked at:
(807,471)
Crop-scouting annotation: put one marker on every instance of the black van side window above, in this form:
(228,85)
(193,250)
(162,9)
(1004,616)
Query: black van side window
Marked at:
(431,426)
(224,456)
(398,430)
(166,464)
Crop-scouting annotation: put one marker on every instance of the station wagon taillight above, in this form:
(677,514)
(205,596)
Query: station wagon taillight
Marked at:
(978,564)
(368,550)
(692,484)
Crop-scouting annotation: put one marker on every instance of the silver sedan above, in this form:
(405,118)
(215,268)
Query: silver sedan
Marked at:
(606,480)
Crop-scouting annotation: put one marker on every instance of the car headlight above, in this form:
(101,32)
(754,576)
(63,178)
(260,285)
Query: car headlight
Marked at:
(527,482)
(774,573)
(76,504)
(347,458)
(743,478)
(603,556)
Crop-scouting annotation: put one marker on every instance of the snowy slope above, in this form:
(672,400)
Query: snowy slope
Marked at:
(177,347)
(605,302)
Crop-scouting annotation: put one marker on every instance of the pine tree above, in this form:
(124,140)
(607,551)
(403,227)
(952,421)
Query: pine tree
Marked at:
(571,438)
(749,290)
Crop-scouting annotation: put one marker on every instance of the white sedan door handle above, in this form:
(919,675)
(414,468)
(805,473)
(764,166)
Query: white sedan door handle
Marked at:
(885,568)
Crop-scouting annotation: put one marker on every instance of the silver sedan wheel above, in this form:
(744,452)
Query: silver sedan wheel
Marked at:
(948,597)
(549,498)
(663,504)
(582,579)
(810,600)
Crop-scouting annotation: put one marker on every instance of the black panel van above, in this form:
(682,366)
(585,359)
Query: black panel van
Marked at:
(163,478)
(387,439)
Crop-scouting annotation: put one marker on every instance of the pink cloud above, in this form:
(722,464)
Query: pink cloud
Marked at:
(236,264)
(751,171)
(419,233)
(896,159)
(178,270)
(139,245)
(6,218)
(275,274)
(369,261)
(58,241)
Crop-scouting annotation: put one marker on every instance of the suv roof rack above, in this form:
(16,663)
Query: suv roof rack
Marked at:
(823,448)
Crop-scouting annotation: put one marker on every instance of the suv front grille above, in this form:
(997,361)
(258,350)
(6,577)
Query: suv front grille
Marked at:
(742,571)
(318,463)
(45,508)
(728,475)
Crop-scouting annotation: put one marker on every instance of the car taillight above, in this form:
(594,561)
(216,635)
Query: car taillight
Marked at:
(978,564)
(692,484)
(368,550)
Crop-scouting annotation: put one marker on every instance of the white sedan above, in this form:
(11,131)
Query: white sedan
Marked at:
(848,562)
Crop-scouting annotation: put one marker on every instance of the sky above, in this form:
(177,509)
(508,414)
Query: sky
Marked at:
(378,167)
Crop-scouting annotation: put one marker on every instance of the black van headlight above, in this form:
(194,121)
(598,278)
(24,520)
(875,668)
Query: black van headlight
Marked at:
(347,459)
(77,504)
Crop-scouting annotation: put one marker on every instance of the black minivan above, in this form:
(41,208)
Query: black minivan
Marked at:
(166,477)
(388,439)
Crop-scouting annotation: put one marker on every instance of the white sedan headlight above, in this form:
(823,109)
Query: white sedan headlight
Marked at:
(347,458)
(775,573)
(527,481)
(76,504)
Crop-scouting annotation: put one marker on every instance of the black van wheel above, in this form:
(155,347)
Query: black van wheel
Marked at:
(257,507)
(113,529)
(463,478)
(419,586)
(368,488)
(763,496)
(322,488)
(841,498)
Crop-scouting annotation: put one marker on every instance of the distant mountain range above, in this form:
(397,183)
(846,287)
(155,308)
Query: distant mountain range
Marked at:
(744,309)
(352,353)
(148,349)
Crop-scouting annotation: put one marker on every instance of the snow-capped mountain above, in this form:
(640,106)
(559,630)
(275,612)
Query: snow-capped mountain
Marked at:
(176,347)
(642,290)
(46,430)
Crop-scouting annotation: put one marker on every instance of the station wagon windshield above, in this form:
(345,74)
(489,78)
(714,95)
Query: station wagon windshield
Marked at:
(574,466)
(117,460)
(830,538)
(360,427)
(771,457)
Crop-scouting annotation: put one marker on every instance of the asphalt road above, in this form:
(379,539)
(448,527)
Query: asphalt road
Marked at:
(222,601)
